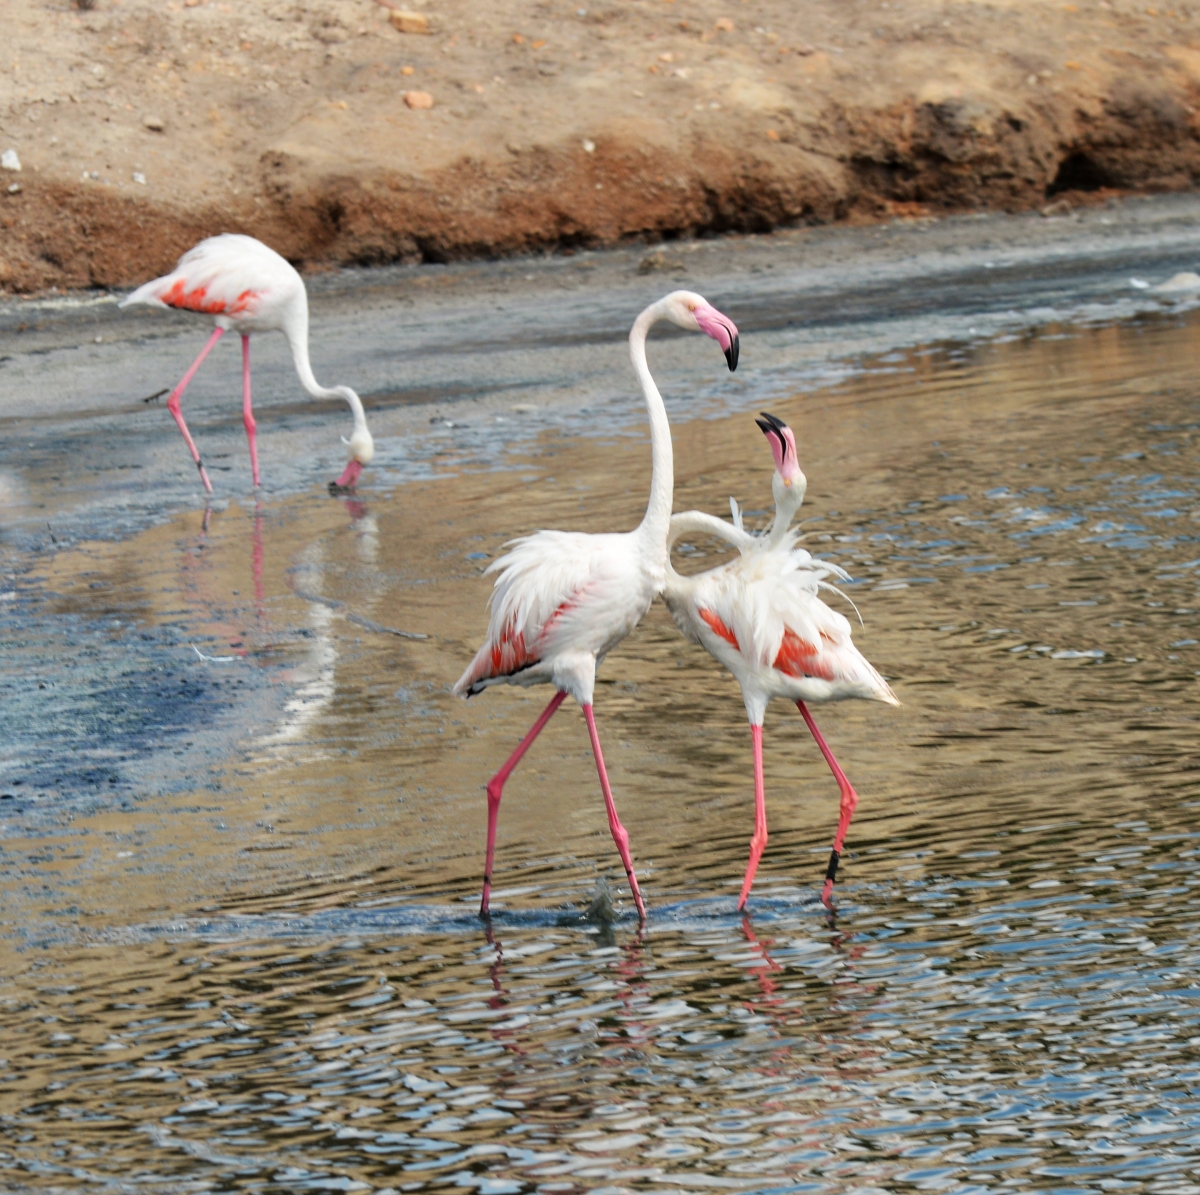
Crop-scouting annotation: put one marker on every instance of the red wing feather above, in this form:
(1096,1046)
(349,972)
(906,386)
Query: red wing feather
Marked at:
(718,627)
(798,657)
(509,654)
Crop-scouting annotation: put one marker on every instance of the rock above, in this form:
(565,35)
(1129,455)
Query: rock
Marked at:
(1060,207)
(1177,283)
(139,178)
(659,260)
(589,146)
(155,124)
(723,25)
(418,99)
(404,21)
(14,188)
(9,160)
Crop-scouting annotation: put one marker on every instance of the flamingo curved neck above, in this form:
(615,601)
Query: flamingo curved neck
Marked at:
(296,332)
(662,473)
(788,500)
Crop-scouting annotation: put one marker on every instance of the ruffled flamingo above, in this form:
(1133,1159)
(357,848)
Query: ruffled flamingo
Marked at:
(247,287)
(564,599)
(761,616)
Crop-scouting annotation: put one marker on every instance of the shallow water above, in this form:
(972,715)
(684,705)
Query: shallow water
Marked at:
(267,975)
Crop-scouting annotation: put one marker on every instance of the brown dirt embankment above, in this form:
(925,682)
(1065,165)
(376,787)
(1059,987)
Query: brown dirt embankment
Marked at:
(143,125)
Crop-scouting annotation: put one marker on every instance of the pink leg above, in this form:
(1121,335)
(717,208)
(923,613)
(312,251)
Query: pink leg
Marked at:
(247,413)
(256,560)
(495,790)
(620,837)
(759,842)
(849,803)
(348,479)
(177,394)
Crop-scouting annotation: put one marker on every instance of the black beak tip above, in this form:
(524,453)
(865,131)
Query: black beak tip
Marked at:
(731,354)
(774,421)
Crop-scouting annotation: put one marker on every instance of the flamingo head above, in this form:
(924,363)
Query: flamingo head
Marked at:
(783,447)
(789,483)
(360,448)
(689,310)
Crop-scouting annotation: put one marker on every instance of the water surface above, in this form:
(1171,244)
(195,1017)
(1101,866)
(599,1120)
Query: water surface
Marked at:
(264,973)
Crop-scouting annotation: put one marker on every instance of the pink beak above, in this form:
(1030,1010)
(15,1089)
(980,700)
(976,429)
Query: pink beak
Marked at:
(348,479)
(722,329)
(783,446)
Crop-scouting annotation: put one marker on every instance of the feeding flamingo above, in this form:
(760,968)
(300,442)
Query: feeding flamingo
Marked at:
(761,616)
(247,287)
(564,599)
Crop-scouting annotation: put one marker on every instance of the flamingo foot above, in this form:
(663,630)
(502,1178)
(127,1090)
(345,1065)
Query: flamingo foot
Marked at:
(757,846)
(830,876)
(348,479)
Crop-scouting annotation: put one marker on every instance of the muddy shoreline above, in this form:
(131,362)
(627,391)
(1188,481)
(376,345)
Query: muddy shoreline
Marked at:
(141,127)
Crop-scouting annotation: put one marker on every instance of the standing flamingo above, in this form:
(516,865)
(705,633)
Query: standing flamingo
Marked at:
(564,599)
(761,617)
(247,287)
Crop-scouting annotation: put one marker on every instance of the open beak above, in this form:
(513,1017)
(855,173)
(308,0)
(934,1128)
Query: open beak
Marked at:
(771,426)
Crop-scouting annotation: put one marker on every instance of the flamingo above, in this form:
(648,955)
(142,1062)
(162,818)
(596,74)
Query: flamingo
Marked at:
(761,616)
(247,287)
(564,599)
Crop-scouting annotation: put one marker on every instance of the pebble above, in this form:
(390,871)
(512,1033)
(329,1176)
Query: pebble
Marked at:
(9,160)
(723,25)
(155,124)
(589,146)
(418,99)
(404,21)
(139,178)
(14,189)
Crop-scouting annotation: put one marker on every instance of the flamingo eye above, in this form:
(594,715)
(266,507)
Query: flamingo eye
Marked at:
(691,306)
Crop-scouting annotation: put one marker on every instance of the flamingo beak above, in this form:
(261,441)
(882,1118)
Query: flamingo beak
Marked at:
(782,446)
(722,329)
(772,426)
(348,479)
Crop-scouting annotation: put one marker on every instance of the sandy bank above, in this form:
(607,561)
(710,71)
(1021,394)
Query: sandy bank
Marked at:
(142,125)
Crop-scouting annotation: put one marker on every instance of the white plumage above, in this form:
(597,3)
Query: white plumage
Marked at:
(246,287)
(562,600)
(761,615)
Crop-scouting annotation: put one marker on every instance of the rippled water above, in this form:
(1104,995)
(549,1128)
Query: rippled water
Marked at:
(268,975)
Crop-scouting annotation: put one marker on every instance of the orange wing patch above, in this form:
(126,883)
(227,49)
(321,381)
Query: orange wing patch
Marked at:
(718,627)
(510,653)
(798,657)
(195,300)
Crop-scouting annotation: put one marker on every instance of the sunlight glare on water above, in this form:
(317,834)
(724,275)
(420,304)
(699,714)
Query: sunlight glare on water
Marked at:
(271,978)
